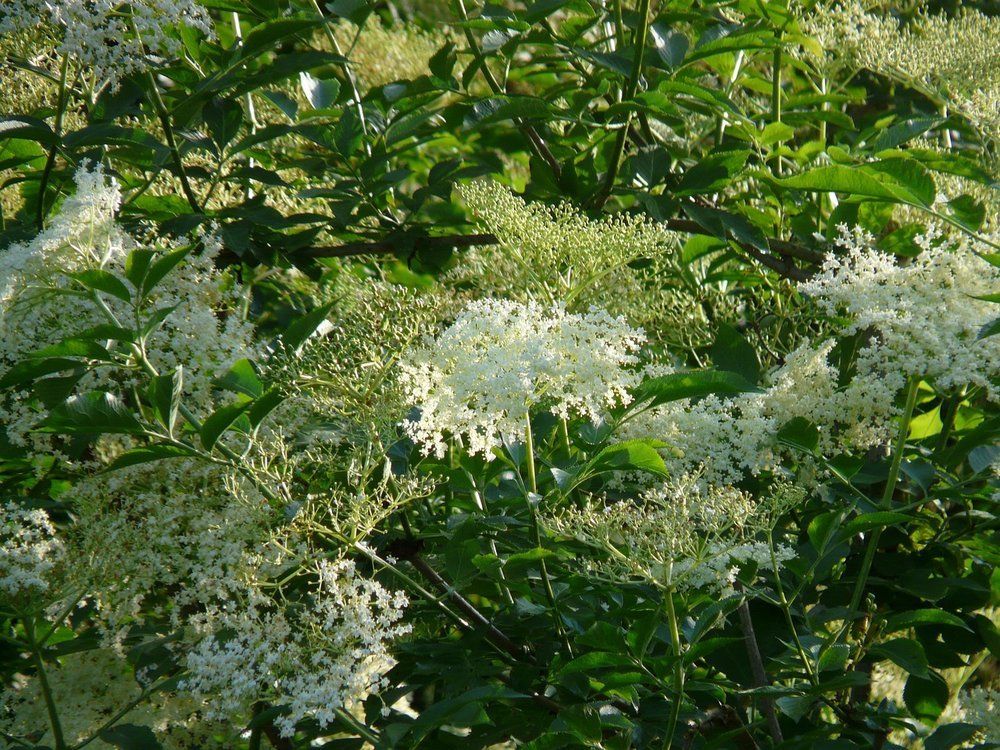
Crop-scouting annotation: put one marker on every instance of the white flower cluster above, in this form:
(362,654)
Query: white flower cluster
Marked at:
(317,656)
(923,319)
(680,535)
(110,39)
(29,550)
(90,686)
(725,439)
(481,376)
(36,309)
(163,539)
(955,60)
(925,314)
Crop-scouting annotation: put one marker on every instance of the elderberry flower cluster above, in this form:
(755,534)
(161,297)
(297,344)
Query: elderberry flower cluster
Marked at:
(165,538)
(554,252)
(724,439)
(681,535)
(953,60)
(90,686)
(316,656)
(110,39)
(925,315)
(29,550)
(41,305)
(480,377)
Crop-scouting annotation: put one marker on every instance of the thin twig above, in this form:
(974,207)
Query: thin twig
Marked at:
(757,667)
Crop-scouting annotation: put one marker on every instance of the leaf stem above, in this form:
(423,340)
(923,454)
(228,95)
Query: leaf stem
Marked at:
(890,488)
(529,447)
(50,159)
(168,132)
(628,92)
(43,683)
(675,643)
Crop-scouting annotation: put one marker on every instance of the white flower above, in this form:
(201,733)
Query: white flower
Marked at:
(682,534)
(924,314)
(29,550)
(480,377)
(36,311)
(326,653)
(110,39)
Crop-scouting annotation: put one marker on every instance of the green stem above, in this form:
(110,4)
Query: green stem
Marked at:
(675,643)
(776,95)
(538,145)
(349,76)
(168,132)
(360,727)
(50,159)
(43,682)
(890,488)
(628,92)
(787,611)
(529,446)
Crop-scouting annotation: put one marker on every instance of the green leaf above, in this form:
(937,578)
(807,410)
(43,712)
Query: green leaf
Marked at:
(130,737)
(671,45)
(596,660)
(299,331)
(905,653)
(876,520)
(92,413)
(898,180)
(905,620)
(990,329)
(264,405)
(681,385)
(29,129)
(926,697)
(951,735)
(102,281)
(966,211)
(160,267)
(777,132)
(638,455)
(223,118)
(321,93)
(32,369)
(220,420)
(165,392)
(799,433)
(241,378)
(732,352)
(903,132)
(148,454)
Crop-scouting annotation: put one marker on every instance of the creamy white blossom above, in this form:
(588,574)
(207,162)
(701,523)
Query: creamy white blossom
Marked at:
(925,315)
(681,534)
(29,550)
(40,305)
(110,39)
(318,656)
(480,377)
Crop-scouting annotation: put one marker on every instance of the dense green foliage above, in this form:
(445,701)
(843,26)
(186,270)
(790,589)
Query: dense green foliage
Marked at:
(649,347)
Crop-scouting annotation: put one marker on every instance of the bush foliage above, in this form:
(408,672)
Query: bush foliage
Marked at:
(530,374)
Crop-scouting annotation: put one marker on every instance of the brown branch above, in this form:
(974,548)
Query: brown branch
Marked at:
(779,263)
(352,249)
(759,675)
(492,632)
